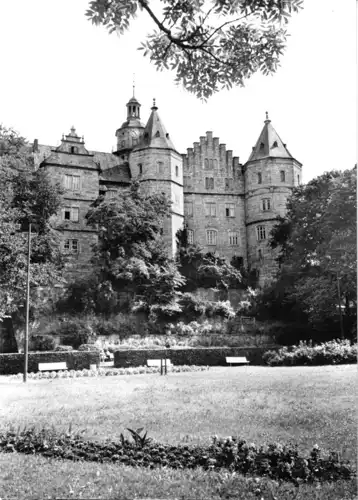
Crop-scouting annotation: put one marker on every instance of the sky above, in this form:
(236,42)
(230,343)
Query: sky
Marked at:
(58,70)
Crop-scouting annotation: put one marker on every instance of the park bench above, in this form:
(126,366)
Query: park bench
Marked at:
(157,362)
(49,367)
(237,360)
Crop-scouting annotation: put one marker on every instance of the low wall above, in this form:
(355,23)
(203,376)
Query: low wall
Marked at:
(207,356)
(10,364)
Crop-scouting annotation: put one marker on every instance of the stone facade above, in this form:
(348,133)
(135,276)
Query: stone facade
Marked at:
(227,207)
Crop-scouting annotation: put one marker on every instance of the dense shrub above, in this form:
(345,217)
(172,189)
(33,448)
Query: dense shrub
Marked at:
(14,363)
(221,309)
(64,348)
(208,356)
(123,325)
(42,343)
(329,353)
(75,332)
(89,347)
(275,461)
(192,306)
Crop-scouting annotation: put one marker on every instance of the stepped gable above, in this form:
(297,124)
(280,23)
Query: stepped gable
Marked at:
(269,144)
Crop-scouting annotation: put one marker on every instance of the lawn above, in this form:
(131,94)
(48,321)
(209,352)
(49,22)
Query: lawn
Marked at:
(306,405)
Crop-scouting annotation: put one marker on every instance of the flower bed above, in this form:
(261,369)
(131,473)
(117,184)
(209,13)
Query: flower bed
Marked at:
(275,461)
(101,372)
(334,352)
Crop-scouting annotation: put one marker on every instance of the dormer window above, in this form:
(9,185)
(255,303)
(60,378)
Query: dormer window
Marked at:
(262,145)
(167,135)
(275,145)
(157,134)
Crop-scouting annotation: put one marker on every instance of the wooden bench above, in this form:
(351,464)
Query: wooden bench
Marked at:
(49,367)
(237,360)
(157,362)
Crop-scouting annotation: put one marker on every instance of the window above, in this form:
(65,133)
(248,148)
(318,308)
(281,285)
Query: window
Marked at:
(260,255)
(71,213)
(73,149)
(261,232)
(282,175)
(71,246)
(275,145)
(187,181)
(262,145)
(230,210)
(190,235)
(111,193)
(206,164)
(266,204)
(134,141)
(210,209)
(233,238)
(298,179)
(157,134)
(211,237)
(209,182)
(140,169)
(211,164)
(160,167)
(188,208)
(229,183)
(72,182)
(176,171)
(259,178)
(123,144)
(215,164)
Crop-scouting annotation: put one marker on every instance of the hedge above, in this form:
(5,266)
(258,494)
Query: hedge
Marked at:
(208,356)
(11,364)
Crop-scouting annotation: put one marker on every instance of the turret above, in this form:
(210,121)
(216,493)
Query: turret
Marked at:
(129,134)
(270,174)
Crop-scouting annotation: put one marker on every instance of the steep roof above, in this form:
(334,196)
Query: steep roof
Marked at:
(119,173)
(155,134)
(269,144)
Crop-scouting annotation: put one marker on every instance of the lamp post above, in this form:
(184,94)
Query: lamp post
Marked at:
(26,346)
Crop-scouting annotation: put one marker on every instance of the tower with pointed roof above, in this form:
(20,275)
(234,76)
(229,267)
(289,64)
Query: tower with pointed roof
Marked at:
(158,167)
(270,174)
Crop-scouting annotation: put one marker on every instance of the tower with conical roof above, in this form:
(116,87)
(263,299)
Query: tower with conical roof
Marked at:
(270,174)
(158,166)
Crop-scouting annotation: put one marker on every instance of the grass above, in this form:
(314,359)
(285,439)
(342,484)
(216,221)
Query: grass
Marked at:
(31,477)
(306,405)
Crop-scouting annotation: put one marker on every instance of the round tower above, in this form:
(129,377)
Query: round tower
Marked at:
(269,175)
(129,134)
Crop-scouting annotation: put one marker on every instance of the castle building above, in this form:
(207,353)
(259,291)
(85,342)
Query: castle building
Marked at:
(227,207)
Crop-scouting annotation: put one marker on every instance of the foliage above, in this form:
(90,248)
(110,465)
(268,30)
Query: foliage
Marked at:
(329,353)
(192,306)
(42,343)
(206,270)
(317,255)
(76,332)
(277,461)
(210,45)
(130,255)
(107,372)
(89,347)
(26,196)
(63,348)
(123,325)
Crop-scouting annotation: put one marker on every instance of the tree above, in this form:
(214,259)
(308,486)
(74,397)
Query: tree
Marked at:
(130,256)
(207,270)
(317,251)
(209,44)
(27,195)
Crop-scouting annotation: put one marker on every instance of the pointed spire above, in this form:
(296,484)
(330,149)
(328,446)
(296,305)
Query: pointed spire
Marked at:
(155,134)
(269,144)
(133,85)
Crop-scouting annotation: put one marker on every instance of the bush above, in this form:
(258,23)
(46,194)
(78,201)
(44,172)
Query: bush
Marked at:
(222,309)
(64,348)
(89,347)
(77,332)
(123,325)
(276,461)
(329,353)
(192,307)
(42,343)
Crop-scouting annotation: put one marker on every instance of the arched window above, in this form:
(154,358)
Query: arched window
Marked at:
(261,233)
(298,179)
(206,163)
(266,204)
(259,178)
(211,237)
(282,175)
(176,171)
(211,164)
(140,168)
(74,149)
(160,167)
